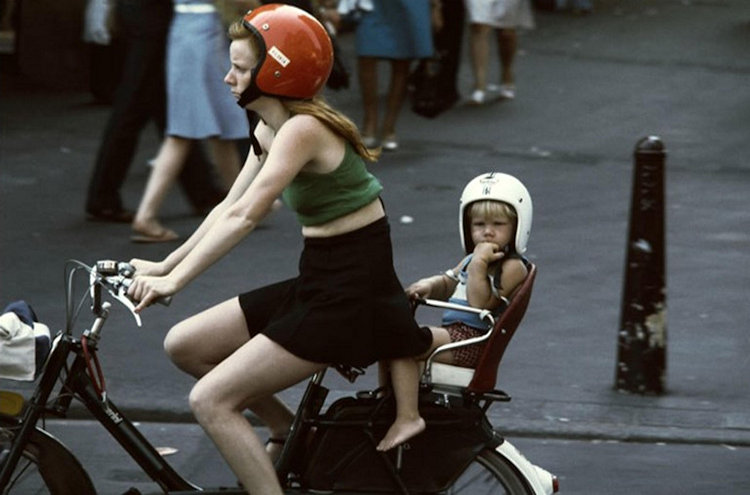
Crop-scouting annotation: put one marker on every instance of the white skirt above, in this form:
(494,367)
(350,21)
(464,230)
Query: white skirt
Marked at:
(501,13)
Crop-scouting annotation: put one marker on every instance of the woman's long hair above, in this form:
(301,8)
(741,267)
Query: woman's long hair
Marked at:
(334,120)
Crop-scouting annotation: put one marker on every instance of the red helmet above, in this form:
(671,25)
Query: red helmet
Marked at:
(296,53)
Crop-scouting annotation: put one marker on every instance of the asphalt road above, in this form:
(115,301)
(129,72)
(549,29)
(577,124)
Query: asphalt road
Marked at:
(584,467)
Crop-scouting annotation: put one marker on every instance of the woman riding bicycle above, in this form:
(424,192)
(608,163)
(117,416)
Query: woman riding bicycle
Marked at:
(248,348)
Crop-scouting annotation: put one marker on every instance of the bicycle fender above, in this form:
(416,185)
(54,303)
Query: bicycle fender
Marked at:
(539,479)
(53,454)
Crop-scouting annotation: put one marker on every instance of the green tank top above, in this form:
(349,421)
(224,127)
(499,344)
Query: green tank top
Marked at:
(320,198)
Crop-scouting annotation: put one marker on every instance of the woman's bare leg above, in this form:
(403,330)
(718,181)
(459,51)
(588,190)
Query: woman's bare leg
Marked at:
(254,372)
(199,343)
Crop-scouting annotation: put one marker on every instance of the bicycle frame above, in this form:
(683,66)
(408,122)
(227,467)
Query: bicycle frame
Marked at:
(71,360)
(78,383)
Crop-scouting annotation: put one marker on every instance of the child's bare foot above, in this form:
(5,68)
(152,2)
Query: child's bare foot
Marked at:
(401,431)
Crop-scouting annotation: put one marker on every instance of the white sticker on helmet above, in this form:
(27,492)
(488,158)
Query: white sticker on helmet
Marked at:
(279,56)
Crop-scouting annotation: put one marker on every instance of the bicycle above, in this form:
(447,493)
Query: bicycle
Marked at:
(327,451)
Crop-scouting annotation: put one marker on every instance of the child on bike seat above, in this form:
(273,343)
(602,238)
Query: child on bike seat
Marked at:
(495,214)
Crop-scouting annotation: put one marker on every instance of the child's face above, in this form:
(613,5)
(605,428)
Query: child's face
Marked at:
(497,229)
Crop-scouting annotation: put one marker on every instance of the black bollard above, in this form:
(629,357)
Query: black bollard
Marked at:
(642,339)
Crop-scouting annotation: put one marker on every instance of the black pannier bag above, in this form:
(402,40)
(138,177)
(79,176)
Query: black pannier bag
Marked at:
(344,455)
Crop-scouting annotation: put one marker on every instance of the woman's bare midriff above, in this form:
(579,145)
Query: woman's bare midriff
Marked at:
(348,223)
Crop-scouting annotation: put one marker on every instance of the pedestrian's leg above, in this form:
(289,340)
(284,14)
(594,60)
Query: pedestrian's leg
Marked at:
(396,96)
(167,166)
(368,83)
(227,159)
(137,98)
(253,373)
(507,46)
(479,50)
(199,181)
(448,41)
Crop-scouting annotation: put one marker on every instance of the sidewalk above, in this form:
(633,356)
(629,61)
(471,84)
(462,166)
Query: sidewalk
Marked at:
(588,89)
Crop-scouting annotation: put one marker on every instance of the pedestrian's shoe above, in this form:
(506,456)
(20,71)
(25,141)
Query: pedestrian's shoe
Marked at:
(507,91)
(115,215)
(370,142)
(478,97)
(504,91)
(390,143)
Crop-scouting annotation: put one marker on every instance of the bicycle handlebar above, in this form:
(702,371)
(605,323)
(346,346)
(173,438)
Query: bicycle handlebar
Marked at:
(121,273)
(116,277)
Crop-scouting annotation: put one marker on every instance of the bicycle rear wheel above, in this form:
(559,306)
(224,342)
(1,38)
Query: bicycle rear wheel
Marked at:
(45,467)
(490,474)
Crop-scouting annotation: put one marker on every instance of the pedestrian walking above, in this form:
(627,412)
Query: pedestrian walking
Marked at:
(398,32)
(139,99)
(198,108)
(504,17)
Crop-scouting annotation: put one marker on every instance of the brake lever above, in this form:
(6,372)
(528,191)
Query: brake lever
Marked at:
(119,274)
(105,273)
(122,296)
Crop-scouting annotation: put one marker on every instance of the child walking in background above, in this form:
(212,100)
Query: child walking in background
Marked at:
(495,215)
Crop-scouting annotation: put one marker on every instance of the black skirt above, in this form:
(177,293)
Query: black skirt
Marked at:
(347,305)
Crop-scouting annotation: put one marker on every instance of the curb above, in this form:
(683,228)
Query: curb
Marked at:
(513,427)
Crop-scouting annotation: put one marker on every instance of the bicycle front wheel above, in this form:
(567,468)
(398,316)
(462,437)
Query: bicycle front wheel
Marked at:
(45,467)
(490,474)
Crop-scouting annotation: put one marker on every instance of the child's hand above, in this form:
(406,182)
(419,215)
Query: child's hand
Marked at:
(488,252)
(418,290)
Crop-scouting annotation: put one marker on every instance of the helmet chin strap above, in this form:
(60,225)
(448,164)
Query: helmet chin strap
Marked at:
(252,120)
(249,95)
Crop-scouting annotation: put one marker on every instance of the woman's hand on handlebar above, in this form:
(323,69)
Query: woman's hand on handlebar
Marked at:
(145,267)
(146,289)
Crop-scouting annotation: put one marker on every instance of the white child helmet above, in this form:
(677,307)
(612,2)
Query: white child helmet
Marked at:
(496,186)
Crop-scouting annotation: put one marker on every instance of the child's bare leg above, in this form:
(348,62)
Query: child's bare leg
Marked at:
(408,423)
